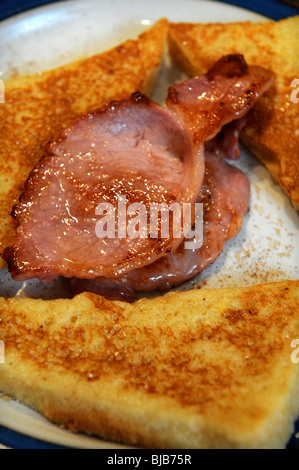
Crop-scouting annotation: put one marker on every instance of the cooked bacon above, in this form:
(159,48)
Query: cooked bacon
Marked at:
(134,149)
(205,103)
(108,287)
(226,143)
(225,197)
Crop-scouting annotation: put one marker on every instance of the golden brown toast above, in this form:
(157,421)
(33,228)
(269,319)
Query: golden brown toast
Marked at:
(272,131)
(208,368)
(38,107)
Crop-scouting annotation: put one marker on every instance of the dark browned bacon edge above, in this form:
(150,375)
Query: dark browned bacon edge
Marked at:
(146,153)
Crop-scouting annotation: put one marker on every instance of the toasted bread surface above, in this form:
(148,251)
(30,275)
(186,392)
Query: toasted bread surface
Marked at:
(208,368)
(272,131)
(38,107)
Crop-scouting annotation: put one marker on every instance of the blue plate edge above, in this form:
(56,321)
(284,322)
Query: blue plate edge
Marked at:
(273,9)
(16,440)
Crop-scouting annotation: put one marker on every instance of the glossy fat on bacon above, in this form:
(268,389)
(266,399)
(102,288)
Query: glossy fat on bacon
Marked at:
(225,197)
(205,103)
(134,149)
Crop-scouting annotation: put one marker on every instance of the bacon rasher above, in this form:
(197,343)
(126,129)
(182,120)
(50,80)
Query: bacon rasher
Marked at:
(146,153)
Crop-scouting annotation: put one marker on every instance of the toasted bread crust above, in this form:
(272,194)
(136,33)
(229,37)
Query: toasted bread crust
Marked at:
(38,107)
(272,129)
(208,368)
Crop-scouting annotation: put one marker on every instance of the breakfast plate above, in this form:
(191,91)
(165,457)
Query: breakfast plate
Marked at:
(265,250)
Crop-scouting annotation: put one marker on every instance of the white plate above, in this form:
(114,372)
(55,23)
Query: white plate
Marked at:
(267,247)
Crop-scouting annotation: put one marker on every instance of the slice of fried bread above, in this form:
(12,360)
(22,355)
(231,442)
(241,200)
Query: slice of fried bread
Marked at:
(208,368)
(38,107)
(272,131)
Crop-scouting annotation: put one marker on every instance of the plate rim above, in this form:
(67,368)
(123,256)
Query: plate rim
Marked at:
(12,436)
